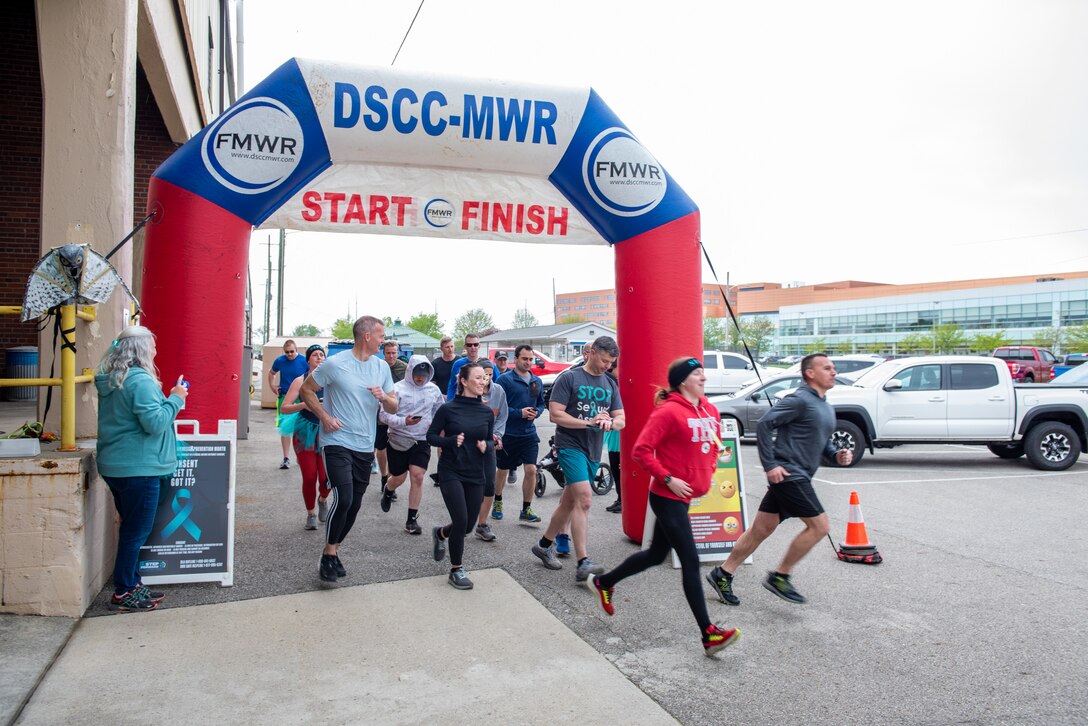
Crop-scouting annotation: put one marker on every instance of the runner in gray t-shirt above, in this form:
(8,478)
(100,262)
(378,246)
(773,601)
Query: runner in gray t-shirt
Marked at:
(584,404)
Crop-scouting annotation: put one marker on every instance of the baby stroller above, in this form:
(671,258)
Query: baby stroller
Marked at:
(601,484)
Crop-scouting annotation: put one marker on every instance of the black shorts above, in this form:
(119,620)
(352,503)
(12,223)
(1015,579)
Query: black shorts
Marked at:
(517,450)
(791,498)
(381,439)
(399,461)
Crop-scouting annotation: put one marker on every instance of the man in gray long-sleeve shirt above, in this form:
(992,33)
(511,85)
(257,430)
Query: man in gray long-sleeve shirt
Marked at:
(804,421)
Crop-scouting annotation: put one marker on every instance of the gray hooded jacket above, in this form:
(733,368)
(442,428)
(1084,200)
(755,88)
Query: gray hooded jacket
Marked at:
(413,400)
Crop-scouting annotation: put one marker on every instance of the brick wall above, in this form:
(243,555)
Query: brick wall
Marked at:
(153,147)
(20,164)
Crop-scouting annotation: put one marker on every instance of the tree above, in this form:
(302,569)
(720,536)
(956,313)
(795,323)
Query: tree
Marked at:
(713,333)
(986,342)
(916,342)
(817,346)
(427,323)
(306,331)
(844,346)
(573,318)
(759,332)
(387,321)
(524,319)
(471,322)
(948,338)
(1076,338)
(1049,338)
(342,328)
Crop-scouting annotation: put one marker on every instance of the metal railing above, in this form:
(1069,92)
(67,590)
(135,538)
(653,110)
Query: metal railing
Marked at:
(68,378)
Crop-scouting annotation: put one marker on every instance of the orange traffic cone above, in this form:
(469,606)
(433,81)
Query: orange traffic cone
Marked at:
(857,547)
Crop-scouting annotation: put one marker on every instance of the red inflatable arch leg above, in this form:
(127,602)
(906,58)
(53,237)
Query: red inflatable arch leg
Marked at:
(196,257)
(659,321)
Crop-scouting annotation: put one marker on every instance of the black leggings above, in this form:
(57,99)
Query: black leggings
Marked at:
(614,465)
(463,499)
(349,474)
(671,531)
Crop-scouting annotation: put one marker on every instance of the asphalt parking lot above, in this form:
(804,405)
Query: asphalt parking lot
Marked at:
(977,615)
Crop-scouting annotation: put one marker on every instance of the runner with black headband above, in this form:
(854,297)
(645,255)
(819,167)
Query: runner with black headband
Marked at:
(678,446)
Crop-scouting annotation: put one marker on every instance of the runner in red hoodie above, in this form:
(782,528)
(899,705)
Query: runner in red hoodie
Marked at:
(679,448)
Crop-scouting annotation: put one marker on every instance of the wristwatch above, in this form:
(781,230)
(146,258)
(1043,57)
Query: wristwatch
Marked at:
(667,479)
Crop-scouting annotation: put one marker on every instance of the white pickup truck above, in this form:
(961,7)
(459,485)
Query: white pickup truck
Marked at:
(961,400)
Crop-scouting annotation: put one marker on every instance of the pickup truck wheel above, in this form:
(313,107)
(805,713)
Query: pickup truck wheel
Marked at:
(848,436)
(1007,451)
(1052,446)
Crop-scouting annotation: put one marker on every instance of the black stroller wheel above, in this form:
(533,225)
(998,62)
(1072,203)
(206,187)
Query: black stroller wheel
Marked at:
(602,483)
(541,484)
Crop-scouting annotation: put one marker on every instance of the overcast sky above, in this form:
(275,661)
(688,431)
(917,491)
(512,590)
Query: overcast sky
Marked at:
(889,142)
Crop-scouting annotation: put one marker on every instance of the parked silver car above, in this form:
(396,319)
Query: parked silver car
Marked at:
(751,403)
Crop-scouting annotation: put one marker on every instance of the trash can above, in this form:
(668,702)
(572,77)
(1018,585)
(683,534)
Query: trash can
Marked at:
(338,346)
(22,362)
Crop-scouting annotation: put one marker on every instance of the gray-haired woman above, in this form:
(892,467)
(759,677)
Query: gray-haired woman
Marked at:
(136,449)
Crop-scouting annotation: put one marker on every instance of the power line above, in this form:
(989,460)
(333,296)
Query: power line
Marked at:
(1026,236)
(410,26)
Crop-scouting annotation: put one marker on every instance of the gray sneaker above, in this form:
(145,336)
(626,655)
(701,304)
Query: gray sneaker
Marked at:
(311,521)
(483,531)
(547,556)
(322,510)
(459,579)
(587,568)
(512,478)
(438,545)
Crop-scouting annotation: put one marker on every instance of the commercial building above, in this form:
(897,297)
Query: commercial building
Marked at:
(858,316)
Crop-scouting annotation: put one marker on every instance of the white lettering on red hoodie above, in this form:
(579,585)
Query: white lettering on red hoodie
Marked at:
(680,439)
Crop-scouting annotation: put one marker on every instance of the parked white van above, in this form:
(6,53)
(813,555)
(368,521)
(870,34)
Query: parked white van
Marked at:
(727,372)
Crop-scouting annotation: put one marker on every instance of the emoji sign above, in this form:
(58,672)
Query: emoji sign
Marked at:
(728,489)
(726,455)
(731,526)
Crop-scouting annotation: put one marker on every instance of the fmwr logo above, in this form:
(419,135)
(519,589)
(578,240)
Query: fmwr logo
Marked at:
(621,175)
(254,147)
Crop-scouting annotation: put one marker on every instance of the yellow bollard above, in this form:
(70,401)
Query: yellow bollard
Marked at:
(67,378)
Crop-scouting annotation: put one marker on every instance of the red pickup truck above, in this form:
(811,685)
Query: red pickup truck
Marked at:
(542,364)
(1026,364)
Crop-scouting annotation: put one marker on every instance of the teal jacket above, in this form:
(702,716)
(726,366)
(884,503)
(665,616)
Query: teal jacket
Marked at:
(136,427)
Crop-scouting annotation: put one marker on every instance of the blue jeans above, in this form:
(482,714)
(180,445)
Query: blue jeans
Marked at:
(136,499)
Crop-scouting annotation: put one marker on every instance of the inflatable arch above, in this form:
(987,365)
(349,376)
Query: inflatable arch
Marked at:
(330,147)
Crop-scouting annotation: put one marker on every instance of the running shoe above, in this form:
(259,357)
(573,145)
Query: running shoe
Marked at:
(438,545)
(562,545)
(528,515)
(434,478)
(131,602)
(459,579)
(547,556)
(496,510)
(391,495)
(605,594)
(714,639)
(512,477)
(780,585)
(723,586)
(286,463)
(327,571)
(339,566)
(322,510)
(387,501)
(311,522)
(587,568)
(143,591)
(483,531)
(615,507)
(412,527)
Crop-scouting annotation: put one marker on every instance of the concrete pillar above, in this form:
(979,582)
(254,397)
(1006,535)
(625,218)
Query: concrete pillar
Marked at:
(88,66)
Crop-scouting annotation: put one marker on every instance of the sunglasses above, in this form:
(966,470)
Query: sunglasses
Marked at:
(472,345)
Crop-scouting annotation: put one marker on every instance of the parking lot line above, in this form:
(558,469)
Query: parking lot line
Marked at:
(915,480)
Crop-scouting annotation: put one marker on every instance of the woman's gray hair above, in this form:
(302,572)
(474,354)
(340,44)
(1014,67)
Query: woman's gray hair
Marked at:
(132,349)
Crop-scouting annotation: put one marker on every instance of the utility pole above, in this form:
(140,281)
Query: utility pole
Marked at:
(268,296)
(279,283)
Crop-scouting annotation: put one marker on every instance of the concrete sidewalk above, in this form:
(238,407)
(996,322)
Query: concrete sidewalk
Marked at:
(408,652)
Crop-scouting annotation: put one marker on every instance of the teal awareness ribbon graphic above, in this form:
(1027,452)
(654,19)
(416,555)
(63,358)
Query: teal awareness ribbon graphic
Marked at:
(181,516)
